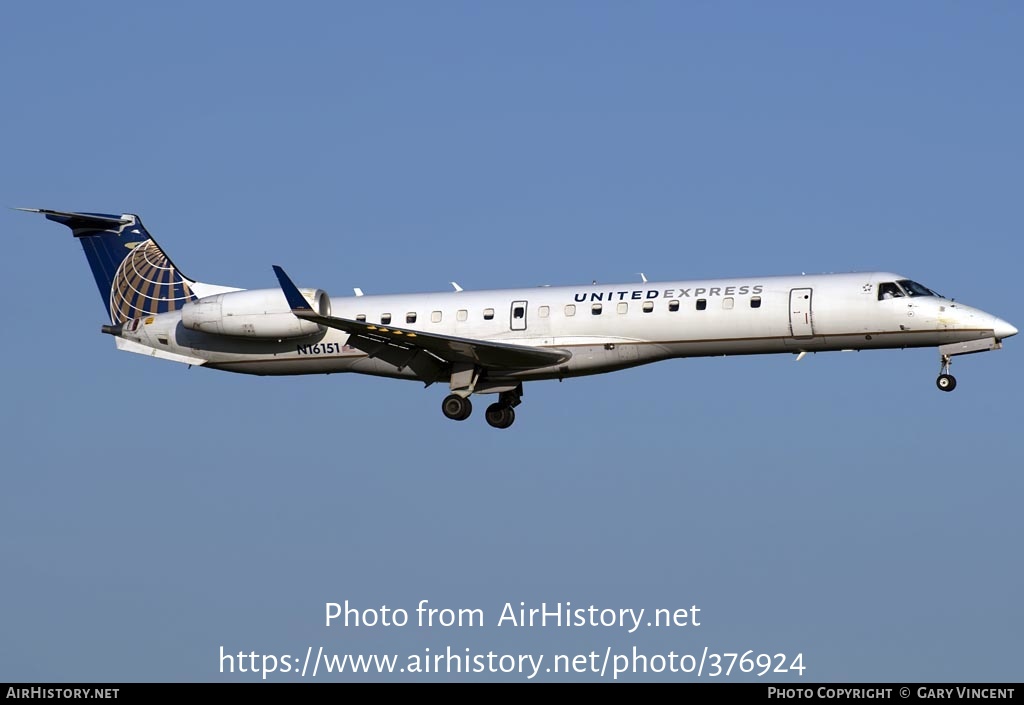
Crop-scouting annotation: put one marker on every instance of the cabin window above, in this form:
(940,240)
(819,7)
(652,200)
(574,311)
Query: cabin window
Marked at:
(435,316)
(570,309)
(461,315)
(488,314)
(595,309)
(385,318)
(410,317)
(361,318)
(519,313)
(728,302)
(622,307)
(702,304)
(543,311)
(755,302)
(648,306)
(673,305)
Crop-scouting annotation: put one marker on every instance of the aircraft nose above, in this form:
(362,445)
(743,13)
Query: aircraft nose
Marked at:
(1002,329)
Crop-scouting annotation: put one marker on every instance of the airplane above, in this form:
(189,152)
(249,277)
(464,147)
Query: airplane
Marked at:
(491,342)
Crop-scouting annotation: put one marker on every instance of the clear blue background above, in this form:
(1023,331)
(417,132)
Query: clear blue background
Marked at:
(841,507)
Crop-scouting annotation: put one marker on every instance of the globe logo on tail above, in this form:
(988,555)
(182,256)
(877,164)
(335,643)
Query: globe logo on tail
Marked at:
(147,283)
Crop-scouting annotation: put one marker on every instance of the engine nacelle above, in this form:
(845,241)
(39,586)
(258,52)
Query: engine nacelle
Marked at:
(254,313)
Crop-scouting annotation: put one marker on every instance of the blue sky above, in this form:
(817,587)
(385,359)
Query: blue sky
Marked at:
(841,508)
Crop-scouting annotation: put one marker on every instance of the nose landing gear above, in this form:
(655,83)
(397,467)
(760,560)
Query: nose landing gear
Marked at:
(946,382)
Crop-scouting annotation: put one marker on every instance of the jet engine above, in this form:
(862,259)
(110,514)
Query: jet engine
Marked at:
(254,313)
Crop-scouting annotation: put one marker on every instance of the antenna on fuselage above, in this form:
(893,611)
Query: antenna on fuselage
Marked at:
(457,287)
(358,291)
(643,276)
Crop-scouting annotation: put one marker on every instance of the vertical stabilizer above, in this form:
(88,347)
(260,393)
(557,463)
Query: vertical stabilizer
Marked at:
(134,275)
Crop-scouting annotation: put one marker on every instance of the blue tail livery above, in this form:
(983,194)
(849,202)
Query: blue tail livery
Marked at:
(134,275)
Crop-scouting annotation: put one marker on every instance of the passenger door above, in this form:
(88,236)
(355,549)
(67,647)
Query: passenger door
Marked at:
(801,318)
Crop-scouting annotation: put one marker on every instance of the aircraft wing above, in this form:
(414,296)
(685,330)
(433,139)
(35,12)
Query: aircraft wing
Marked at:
(404,347)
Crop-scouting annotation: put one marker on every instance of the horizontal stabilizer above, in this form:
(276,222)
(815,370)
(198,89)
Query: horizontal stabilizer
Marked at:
(81,221)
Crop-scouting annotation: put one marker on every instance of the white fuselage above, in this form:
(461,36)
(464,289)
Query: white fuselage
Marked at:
(606,327)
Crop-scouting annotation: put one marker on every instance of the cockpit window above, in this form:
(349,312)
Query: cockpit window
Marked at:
(889,290)
(914,289)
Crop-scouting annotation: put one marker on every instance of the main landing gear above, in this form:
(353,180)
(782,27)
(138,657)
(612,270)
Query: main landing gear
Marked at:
(500,414)
(456,408)
(946,382)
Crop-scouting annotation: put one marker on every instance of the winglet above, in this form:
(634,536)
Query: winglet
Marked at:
(291,292)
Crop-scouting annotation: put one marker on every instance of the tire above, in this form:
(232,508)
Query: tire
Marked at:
(946,383)
(500,416)
(456,408)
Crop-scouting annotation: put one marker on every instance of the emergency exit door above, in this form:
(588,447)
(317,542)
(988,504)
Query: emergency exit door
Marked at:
(517,316)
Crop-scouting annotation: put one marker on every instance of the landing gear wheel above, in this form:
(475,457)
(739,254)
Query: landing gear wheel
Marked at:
(500,416)
(456,408)
(946,383)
